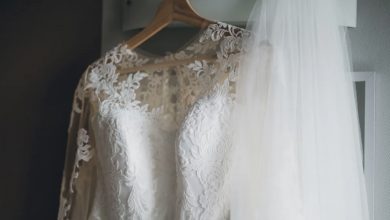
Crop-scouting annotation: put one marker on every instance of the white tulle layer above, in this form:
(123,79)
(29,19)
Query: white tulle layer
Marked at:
(298,149)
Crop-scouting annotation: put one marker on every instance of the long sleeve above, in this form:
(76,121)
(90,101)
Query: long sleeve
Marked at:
(79,170)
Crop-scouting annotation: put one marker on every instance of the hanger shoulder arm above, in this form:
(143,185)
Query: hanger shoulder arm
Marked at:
(158,23)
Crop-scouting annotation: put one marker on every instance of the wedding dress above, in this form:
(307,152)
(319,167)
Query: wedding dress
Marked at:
(266,131)
(154,143)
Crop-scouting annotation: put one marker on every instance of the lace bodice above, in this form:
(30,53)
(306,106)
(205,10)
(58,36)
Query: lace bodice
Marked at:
(154,143)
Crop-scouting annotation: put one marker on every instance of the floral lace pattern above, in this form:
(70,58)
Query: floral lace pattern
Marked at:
(142,119)
(203,169)
(84,153)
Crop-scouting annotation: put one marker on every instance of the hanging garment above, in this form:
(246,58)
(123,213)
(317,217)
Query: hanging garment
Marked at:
(267,131)
(154,143)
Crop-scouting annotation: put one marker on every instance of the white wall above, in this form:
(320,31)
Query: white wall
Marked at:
(370,45)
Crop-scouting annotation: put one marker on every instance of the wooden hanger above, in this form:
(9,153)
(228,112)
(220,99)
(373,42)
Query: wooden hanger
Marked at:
(167,12)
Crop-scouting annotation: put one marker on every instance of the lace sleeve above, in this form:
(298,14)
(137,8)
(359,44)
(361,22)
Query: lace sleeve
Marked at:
(78,157)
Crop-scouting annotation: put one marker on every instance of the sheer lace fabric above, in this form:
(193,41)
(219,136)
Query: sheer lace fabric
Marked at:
(154,144)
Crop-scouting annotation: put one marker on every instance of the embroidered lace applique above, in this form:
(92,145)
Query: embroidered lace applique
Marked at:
(170,96)
(84,153)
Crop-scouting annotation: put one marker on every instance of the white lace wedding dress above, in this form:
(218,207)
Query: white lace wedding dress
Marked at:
(154,143)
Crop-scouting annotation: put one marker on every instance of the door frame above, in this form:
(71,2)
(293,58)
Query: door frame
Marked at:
(369,135)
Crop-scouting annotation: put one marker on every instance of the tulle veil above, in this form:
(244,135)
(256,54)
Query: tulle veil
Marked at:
(297,146)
